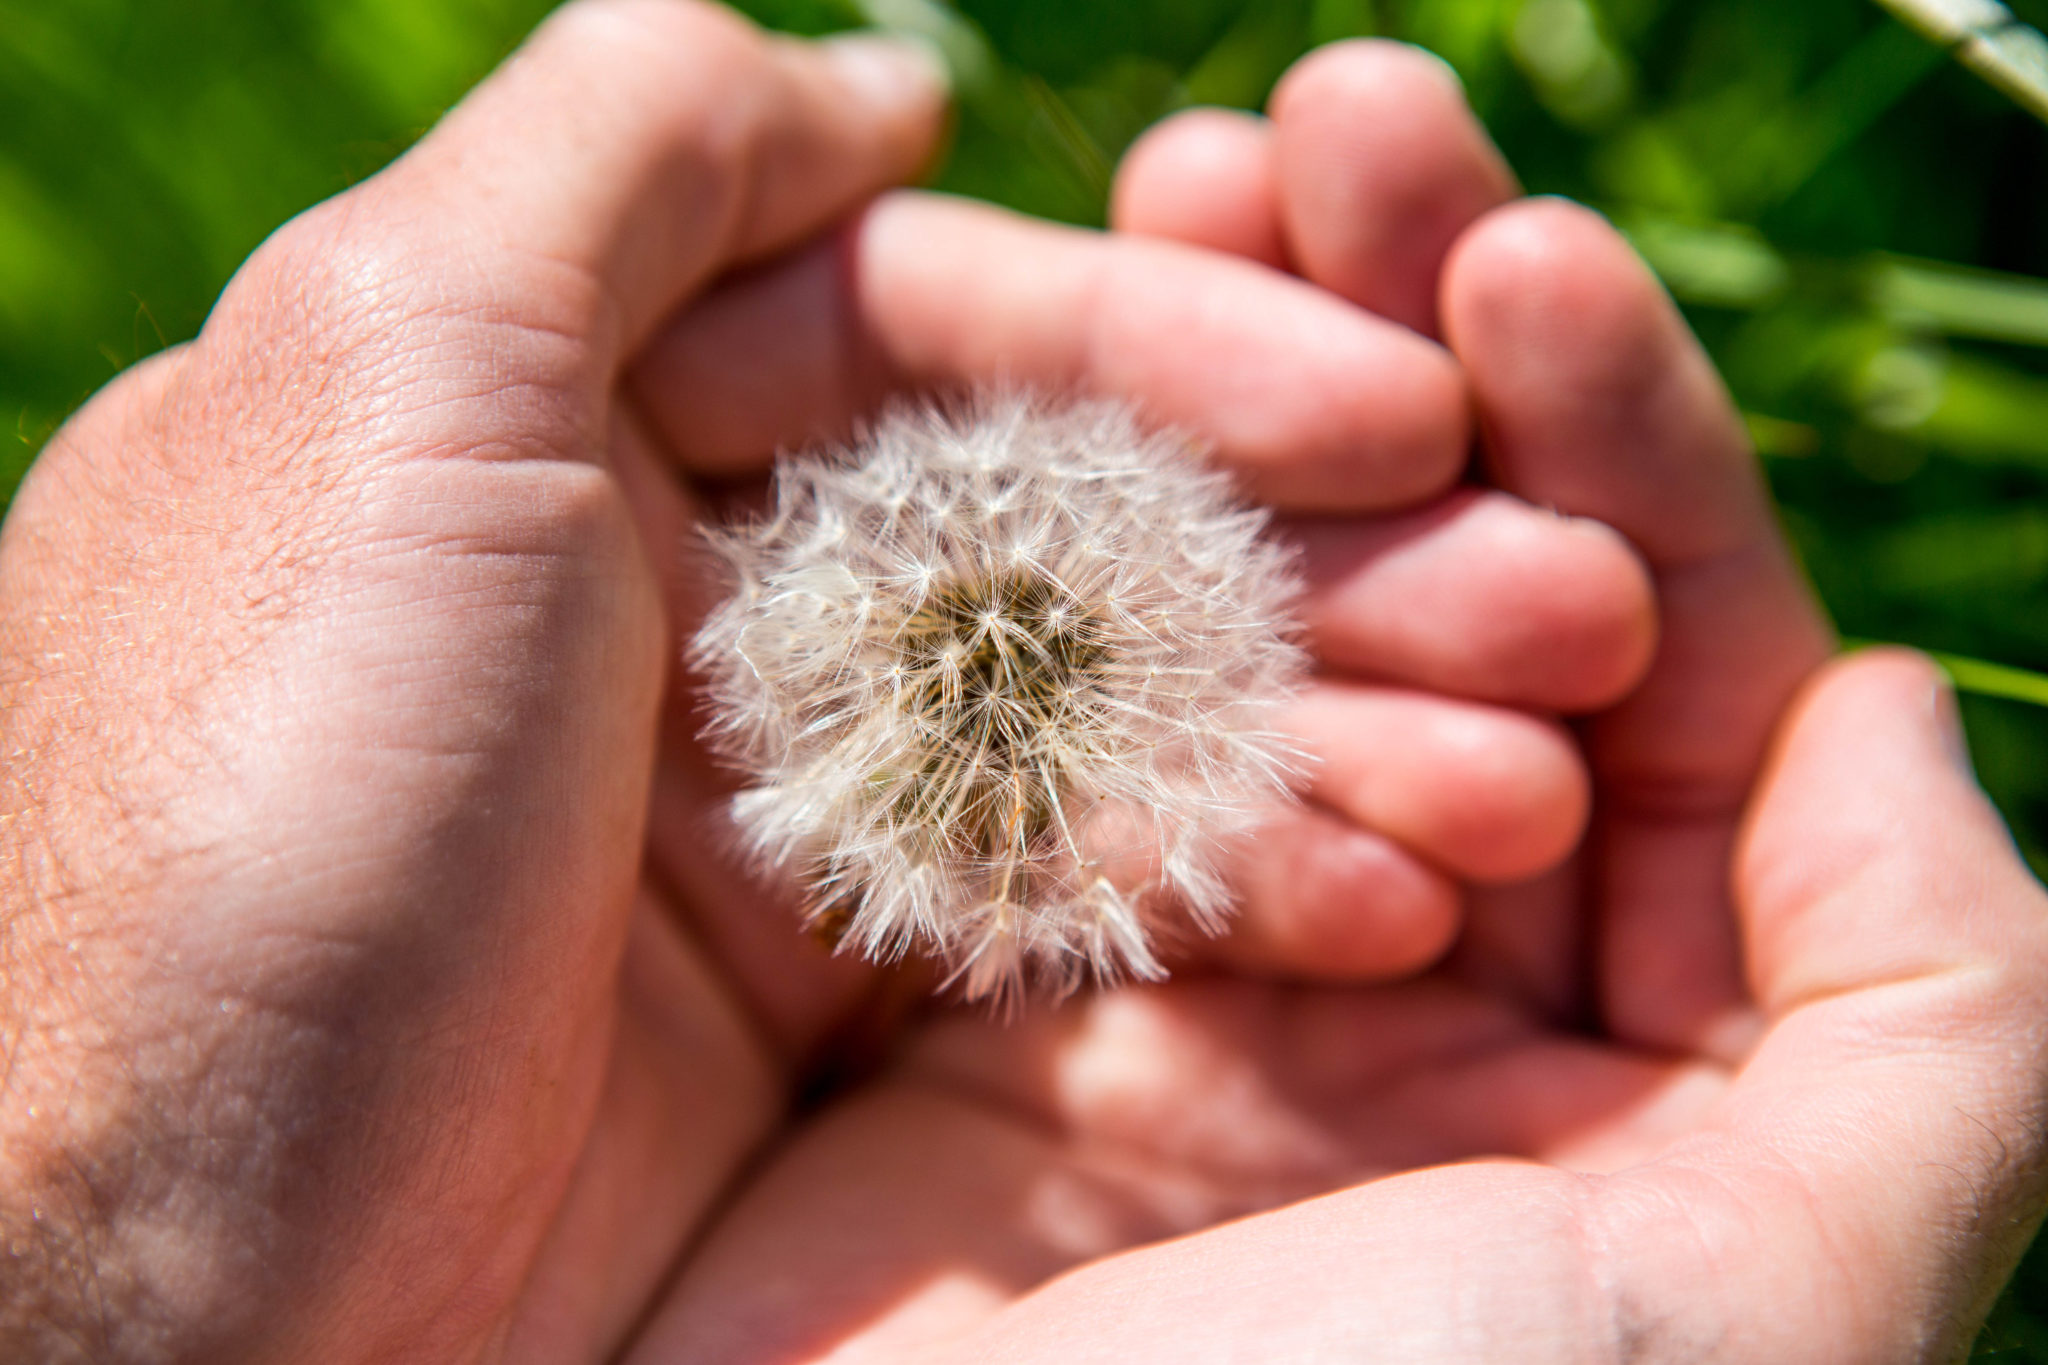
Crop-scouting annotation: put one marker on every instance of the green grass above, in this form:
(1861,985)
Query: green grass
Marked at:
(1856,225)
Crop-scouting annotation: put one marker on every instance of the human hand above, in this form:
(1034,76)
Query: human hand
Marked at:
(360,999)
(1756,1078)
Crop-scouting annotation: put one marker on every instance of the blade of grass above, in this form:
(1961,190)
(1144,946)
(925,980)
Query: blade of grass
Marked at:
(1987,38)
(1732,265)
(1987,679)
(1981,677)
(1084,156)
(1962,301)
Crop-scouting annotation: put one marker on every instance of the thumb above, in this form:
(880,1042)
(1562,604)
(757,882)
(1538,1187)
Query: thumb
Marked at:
(1875,1170)
(1872,855)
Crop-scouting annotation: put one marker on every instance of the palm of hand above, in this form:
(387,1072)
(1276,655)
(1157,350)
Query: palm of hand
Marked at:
(991,1160)
(969,1161)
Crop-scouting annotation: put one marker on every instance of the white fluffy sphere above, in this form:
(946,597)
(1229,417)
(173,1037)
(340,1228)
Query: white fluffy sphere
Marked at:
(1003,680)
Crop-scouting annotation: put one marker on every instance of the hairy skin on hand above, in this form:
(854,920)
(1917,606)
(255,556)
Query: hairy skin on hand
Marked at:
(202,1036)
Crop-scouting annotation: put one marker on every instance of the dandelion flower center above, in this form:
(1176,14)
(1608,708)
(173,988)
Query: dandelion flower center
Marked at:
(997,672)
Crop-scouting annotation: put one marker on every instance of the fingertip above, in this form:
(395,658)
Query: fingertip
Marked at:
(643,146)
(1335,69)
(1534,223)
(1439,428)
(1349,104)
(1609,598)
(1597,397)
(1530,807)
(1886,704)
(1488,794)
(1325,900)
(1898,665)
(1519,260)
(1382,165)
(1545,273)
(1949,719)
(1204,177)
(890,70)
(902,82)
(1345,413)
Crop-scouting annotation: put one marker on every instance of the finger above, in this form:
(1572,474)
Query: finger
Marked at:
(1206,177)
(1482,596)
(1314,403)
(1877,1168)
(633,148)
(1324,900)
(1596,400)
(1488,794)
(1380,167)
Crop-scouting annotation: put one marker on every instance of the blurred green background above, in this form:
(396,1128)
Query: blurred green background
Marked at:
(1853,222)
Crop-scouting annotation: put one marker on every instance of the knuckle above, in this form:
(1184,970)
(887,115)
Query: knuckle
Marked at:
(325,281)
(369,328)
(305,340)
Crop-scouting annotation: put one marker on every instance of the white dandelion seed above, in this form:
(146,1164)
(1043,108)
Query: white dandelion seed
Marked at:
(1004,682)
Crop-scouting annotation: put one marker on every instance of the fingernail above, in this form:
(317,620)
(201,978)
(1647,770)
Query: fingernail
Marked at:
(889,68)
(1948,722)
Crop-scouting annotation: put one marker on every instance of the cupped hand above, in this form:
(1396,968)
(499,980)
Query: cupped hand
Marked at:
(1755,1077)
(376,985)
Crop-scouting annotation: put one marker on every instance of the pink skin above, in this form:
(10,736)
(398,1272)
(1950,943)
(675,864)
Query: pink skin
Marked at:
(376,988)
(1800,977)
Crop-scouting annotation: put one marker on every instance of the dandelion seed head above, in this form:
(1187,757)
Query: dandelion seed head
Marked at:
(1003,679)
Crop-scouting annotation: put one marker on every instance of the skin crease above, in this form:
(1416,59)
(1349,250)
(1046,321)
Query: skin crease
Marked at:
(375,989)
